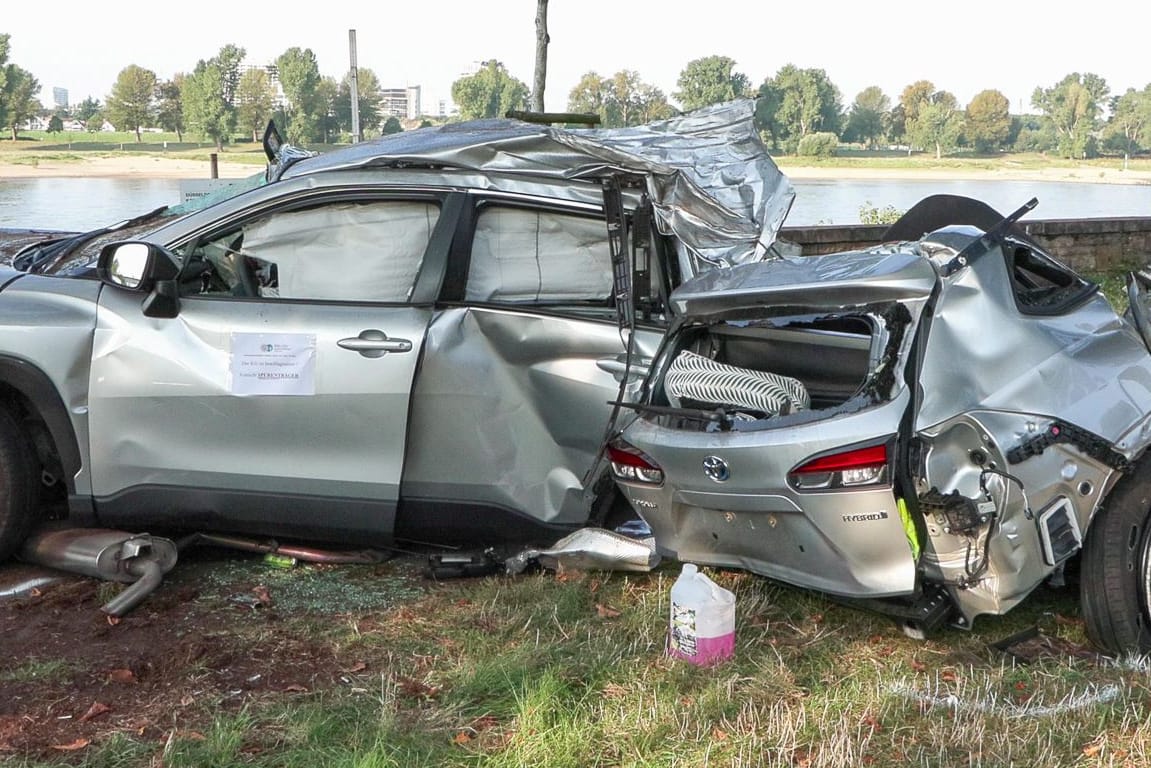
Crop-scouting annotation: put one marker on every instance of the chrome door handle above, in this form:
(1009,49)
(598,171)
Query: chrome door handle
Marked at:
(374,343)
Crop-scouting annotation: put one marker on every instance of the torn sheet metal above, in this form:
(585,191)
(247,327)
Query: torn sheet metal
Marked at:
(591,549)
(708,174)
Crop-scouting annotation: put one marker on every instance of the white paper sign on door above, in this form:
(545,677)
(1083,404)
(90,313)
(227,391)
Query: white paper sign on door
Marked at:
(273,364)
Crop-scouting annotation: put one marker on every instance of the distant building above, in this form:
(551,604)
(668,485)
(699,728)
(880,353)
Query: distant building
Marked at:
(273,73)
(60,98)
(403,103)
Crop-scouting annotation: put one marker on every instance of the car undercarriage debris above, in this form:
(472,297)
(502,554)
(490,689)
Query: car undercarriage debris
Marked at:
(139,560)
(590,549)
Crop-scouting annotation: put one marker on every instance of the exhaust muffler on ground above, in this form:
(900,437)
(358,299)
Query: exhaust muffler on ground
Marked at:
(140,560)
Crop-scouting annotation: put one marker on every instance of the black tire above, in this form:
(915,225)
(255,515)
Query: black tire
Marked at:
(19,485)
(1115,596)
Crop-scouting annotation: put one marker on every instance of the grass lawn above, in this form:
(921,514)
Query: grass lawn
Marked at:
(570,670)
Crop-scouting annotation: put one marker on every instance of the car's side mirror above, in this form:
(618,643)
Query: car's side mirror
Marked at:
(143,267)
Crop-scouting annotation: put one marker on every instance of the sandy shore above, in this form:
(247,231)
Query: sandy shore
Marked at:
(150,167)
(128,166)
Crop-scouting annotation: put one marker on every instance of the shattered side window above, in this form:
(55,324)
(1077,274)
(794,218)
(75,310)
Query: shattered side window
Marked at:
(521,255)
(351,251)
(1043,286)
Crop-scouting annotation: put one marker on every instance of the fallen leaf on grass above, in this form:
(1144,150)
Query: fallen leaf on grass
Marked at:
(606,611)
(187,700)
(359,666)
(75,745)
(918,666)
(463,737)
(718,734)
(948,676)
(122,676)
(94,711)
(1092,750)
(262,594)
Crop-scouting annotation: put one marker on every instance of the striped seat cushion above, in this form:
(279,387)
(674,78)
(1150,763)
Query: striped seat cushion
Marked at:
(698,378)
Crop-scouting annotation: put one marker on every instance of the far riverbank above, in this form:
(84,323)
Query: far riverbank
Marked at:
(145,166)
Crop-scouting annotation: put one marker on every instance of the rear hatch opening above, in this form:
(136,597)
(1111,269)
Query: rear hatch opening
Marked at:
(780,370)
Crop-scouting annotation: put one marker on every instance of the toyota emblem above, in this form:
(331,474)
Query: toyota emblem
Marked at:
(716,468)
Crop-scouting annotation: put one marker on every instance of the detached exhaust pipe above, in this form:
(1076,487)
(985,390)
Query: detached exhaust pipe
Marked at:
(137,559)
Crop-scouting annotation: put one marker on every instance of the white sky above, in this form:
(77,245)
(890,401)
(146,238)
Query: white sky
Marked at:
(962,47)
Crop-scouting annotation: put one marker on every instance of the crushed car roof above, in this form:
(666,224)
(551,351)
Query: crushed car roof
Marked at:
(708,174)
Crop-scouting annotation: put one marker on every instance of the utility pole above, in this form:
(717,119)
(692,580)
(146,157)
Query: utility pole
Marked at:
(354,82)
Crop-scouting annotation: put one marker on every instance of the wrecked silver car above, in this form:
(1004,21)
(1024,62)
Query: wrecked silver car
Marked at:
(410,338)
(931,427)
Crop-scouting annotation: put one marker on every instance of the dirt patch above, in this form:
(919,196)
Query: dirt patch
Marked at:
(222,631)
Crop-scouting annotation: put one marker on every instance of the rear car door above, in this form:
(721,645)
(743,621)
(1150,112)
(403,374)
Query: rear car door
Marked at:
(276,400)
(512,401)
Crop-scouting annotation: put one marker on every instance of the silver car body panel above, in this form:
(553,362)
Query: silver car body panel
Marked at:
(851,545)
(510,405)
(166,411)
(47,323)
(982,354)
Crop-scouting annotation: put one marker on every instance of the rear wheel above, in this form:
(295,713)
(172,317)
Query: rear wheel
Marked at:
(18,484)
(1115,569)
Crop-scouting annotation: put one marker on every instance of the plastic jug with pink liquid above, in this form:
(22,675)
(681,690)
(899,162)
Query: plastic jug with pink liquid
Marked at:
(702,619)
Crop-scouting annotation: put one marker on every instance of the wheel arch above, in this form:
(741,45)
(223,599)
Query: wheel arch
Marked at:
(25,385)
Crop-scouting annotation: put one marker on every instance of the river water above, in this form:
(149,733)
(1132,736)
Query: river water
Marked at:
(77,204)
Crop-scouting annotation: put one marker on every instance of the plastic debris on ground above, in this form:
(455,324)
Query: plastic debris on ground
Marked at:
(590,549)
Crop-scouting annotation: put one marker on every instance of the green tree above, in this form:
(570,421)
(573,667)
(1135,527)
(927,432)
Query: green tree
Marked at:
(209,95)
(938,123)
(869,117)
(808,103)
(590,96)
(130,105)
(621,100)
(86,108)
(255,102)
(392,125)
(170,105)
(326,123)
(906,112)
(988,123)
(1130,118)
(367,98)
(55,124)
(300,78)
(205,109)
(490,92)
(95,121)
(4,48)
(18,98)
(710,80)
(1073,105)
(767,103)
(229,60)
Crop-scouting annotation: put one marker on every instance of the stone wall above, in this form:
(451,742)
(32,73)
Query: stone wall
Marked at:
(1084,244)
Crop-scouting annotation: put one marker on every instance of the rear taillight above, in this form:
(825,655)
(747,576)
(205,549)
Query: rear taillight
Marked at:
(631,465)
(846,469)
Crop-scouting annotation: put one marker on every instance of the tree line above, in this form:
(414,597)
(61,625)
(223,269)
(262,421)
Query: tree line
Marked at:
(798,111)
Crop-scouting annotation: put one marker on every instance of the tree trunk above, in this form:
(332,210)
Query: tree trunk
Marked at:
(542,41)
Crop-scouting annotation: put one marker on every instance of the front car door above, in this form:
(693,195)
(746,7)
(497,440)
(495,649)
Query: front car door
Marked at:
(276,400)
